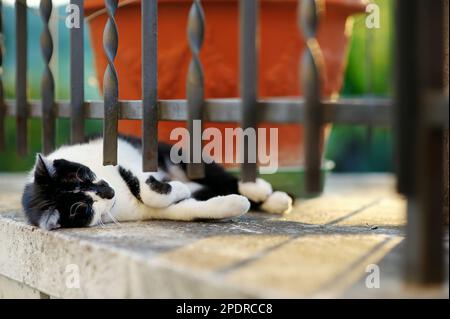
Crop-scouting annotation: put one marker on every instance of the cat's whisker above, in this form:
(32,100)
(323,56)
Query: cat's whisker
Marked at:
(114,220)
(102,225)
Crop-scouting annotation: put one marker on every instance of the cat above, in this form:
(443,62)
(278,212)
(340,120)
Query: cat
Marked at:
(70,188)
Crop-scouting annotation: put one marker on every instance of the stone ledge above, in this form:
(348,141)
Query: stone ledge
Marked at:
(39,259)
(320,250)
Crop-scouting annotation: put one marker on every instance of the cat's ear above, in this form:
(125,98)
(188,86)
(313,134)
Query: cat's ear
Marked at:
(50,220)
(43,169)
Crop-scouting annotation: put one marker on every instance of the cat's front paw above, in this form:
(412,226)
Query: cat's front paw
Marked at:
(159,194)
(278,203)
(230,206)
(180,191)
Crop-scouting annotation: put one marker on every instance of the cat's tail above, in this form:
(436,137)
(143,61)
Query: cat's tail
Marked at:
(217,208)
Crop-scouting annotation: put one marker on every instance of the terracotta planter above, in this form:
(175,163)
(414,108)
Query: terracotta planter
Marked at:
(281,46)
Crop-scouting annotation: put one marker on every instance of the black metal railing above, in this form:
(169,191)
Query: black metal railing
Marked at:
(418,114)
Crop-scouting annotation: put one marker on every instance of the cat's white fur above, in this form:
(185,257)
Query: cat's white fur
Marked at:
(176,206)
(258,191)
(125,207)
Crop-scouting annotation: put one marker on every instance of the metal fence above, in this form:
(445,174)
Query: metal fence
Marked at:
(418,113)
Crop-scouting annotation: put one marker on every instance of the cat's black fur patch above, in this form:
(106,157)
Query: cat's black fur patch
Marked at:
(163,148)
(158,187)
(131,181)
(217,181)
(58,190)
(70,172)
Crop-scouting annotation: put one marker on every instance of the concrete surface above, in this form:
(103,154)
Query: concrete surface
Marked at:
(10,289)
(323,249)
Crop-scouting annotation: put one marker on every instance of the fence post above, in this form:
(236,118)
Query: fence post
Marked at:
(110,87)
(310,12)
(446,91)
(21,77)
(249,85)
(149,21)
(419,77)
(195,90)
(77,77)
(47,83)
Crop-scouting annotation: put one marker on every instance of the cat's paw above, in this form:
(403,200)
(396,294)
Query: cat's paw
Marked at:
(278,203)
(257,192)
(225,207)
(159,194)
(180,191)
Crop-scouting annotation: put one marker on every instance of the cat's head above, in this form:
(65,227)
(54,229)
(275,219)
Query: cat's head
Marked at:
(64,194)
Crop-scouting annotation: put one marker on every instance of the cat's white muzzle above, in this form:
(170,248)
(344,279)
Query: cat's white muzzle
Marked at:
(101,209)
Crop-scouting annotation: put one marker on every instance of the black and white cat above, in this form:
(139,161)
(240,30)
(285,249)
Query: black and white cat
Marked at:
(71,188)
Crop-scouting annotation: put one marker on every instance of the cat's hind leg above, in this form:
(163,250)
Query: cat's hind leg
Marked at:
(261,193)
(277,203)
(217,208)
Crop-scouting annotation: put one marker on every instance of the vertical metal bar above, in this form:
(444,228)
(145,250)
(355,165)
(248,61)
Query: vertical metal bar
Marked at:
(2,97)
(77,76)
(369,63)
(249,83)
(430,151)
(445,142)
(47,82)
(407,97)
(149,19)
(110,87)
(312,70)
(195,90)
(424,251)
(21,77)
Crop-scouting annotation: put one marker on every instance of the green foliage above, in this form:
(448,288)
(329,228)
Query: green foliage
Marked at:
(369,73)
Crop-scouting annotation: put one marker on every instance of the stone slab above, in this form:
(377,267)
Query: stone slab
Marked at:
(320,250)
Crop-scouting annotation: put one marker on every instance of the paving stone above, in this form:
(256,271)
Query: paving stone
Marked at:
(321,249)
(10,289)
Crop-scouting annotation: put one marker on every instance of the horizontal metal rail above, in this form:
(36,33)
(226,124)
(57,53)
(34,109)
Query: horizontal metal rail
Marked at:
(346,111)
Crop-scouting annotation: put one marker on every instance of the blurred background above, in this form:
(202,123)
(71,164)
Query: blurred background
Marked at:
(352,148)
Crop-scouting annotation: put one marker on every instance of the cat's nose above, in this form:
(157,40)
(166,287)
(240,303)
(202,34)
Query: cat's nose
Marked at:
(109,193)
(104,190)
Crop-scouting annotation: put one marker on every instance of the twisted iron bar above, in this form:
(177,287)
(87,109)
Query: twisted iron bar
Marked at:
(248,15)
(110,86)
(47,82)
(312,65)
(77,77)
(195,86)
(88,18)
(149,73)
(2,97)
(21,77)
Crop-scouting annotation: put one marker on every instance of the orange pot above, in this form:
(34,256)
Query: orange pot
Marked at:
(281,46)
